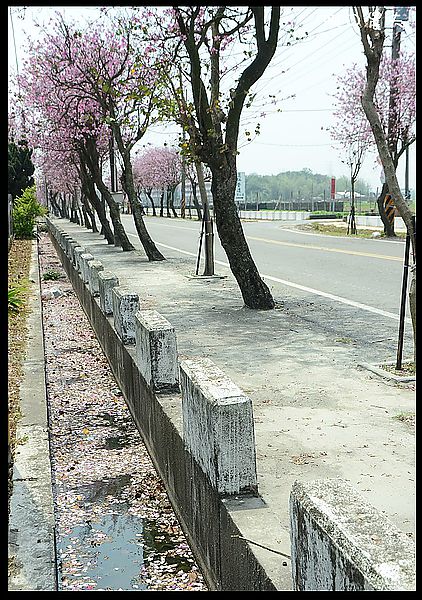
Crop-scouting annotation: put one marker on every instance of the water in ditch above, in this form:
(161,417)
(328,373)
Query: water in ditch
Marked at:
(115,528)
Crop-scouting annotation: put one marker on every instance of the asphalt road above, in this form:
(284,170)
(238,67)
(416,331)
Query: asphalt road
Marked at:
(362,273)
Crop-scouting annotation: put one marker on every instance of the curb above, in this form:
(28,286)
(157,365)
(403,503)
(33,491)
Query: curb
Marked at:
(385,374)
(31,539)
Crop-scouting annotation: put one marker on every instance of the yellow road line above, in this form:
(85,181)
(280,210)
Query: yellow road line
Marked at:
(312,247)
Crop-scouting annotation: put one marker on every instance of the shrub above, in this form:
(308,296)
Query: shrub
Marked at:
(51,275)
(25,210)
(15,297)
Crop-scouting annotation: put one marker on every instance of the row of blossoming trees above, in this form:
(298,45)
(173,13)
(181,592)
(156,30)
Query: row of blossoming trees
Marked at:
(85,90)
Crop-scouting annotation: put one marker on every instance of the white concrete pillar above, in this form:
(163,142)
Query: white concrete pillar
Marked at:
(77,253)
(340,542)
(156,350)
(218,426)
(94,267)
(125,305)
(83,262)
(106,282)
(73,244)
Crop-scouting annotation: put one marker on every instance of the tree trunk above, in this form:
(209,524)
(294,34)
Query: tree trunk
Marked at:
(149,194)
(148,245)
(412,304)
(168,215)
(195,200)
(92,162)
(255,292)
(56,207)
(209,233)
(162,204)
(98,205)
(173,210)
(88,214)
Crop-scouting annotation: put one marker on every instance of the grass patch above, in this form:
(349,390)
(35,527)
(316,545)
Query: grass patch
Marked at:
(19,260)
(332,229)
(408,369)
(406,417)
(52,275)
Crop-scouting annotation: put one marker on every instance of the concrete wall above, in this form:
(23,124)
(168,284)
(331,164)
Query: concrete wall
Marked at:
(375,221)
(274,215)
(341,543)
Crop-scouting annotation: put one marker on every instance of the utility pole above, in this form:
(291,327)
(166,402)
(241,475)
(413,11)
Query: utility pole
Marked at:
(207,224)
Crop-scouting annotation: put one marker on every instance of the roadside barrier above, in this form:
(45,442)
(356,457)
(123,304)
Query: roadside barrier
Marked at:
(156,351)
(106,282)
(125,305)
(218,427)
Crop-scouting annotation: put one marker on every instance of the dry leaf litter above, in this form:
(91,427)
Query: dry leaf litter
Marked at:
(115,527)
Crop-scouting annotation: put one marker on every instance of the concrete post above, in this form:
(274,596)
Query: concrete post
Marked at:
(218,427)
(94,267)
(156,350)
(77,253)
(65,240)
(83,262)
(73,244)
(125,305)
(339,542)
(106,282)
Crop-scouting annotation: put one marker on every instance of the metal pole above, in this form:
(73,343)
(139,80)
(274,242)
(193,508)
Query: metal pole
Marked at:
(403,304)
(200,242)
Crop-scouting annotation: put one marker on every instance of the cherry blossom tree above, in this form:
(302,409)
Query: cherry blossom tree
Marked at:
(395,99)
(372,31)
(53,87)
(121,80)
(159,169)
(200,36)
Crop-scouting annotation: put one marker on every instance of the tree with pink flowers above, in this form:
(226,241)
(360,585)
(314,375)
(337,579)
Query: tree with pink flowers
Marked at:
(61,117)
(395,99)
(200,38)
(158,169)
(121,79)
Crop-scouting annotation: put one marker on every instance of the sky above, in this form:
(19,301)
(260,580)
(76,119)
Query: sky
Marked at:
(302,77)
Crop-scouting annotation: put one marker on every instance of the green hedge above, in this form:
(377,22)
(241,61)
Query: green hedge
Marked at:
(25,210)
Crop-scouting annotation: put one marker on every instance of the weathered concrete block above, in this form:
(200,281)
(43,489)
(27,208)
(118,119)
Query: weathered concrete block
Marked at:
(106,282)
(83,263)
(94,267)
(340,542)
(125,305)
(65,239)
(73,244)
(218,426)
(156,350)
(77,253)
